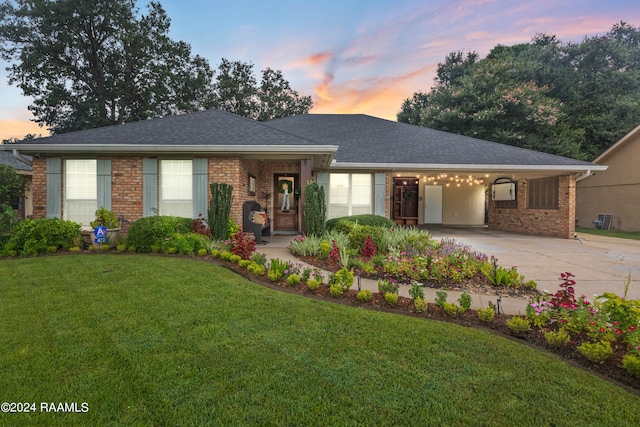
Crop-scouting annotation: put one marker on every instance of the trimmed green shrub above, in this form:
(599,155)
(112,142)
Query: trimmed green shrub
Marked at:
(183,244)
(486,315)
(420,305)
(365,219)
(335,290)
(391,298)
(452,309)
(313,284)
(359,233)
(33,237)
(293,279)
(596,352)
(558,339)
(343,278)
(153,230)
(631,363)
(364,295)
(518,325)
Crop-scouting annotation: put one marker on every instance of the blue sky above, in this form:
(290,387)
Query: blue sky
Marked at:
(357,56)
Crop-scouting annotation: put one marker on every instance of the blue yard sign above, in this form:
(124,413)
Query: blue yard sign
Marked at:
(101,234)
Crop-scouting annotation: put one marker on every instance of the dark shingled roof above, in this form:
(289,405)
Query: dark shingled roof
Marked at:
(366,139)
(7,158)
(210,127)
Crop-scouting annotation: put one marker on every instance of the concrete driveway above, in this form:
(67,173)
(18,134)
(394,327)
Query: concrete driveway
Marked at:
(600,264)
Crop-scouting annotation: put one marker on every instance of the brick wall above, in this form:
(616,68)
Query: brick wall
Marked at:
(547,222)
(126,188)
(39,187)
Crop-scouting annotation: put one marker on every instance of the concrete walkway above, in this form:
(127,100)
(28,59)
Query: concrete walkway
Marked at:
(600,264)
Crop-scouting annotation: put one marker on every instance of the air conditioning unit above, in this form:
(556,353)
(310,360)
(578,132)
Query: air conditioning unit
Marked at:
(504,191)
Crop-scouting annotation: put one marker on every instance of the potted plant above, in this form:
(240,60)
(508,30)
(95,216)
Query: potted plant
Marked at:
(109,220)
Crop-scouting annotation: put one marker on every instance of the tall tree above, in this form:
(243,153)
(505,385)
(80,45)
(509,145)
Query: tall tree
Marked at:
(236,90)
(101,62)
(572,99)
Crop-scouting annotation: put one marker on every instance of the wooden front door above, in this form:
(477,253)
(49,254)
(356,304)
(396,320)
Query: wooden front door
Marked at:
(286,209)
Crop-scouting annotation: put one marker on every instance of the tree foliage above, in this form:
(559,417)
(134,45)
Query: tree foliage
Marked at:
(571,99)
(12,185)
(236,90)
(101,62)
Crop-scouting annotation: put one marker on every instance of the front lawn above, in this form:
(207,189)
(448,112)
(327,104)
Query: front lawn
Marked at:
(157,340)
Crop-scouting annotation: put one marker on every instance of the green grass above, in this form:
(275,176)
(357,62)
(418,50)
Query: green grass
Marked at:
(170,341)
(610,233)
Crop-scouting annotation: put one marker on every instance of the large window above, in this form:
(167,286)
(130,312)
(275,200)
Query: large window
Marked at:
(542,193)
(80,191)
(349,194)
(176,188)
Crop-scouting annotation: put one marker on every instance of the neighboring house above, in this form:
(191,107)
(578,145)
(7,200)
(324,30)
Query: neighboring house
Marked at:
(410,174)
(614,193)
(23,207)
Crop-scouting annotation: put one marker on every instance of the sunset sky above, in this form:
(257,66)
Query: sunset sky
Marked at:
(357,56)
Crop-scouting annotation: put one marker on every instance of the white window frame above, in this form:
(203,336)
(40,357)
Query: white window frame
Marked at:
(176,198)
(332,205)
(80,190)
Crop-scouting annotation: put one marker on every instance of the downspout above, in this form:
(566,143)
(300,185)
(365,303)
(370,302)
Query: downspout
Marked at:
(21,158)
(583,175)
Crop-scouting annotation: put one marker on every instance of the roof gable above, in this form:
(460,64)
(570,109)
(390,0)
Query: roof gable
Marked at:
(618,145)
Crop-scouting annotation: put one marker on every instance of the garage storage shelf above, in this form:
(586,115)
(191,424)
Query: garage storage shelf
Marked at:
(405,201)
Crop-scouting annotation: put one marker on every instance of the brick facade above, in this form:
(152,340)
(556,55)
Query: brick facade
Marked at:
(546,222)
(39,187)
(126,188)
(127,193)
(127,183)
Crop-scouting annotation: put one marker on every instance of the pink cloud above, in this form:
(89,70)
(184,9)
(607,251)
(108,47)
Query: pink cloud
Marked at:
(19,128)
(380,97)
(317,58)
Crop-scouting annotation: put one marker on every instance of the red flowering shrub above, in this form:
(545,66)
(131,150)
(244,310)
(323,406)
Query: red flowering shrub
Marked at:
(565,297)
(334,253)
(241,244)
(199,226)
(369,249)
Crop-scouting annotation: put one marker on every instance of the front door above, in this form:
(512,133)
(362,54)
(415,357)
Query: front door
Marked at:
(433,204)
(286,210)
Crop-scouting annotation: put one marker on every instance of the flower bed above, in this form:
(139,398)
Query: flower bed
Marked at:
(413,257)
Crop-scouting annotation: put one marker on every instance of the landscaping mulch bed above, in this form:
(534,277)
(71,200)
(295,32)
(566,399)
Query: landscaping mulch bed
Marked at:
(611,369)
